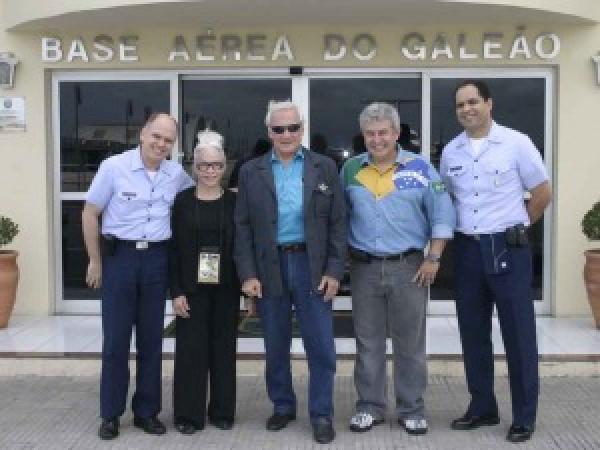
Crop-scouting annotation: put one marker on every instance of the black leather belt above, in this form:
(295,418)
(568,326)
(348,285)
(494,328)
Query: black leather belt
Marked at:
(140,245)
(292,248)
(359,255)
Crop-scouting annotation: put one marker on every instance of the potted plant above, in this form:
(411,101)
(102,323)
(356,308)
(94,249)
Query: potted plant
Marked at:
(591,272)
(9,271)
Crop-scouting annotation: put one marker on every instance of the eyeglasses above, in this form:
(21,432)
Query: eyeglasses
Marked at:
(205,165)
(292,128)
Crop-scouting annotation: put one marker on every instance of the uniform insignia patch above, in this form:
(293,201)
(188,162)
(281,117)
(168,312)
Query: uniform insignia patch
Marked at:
(438,186)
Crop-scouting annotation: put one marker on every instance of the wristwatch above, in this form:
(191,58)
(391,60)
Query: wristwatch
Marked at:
(433,257)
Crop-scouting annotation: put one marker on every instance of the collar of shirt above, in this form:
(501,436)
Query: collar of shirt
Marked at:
(402,157)
(299,155)
(138,164)
(495,136)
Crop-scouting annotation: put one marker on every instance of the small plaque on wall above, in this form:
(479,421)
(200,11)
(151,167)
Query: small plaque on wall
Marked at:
(12,114)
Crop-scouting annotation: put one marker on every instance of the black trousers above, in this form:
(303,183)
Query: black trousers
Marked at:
(511,292)
(205,354)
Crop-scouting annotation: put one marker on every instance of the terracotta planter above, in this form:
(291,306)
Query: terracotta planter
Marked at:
(591,276)
(9,278)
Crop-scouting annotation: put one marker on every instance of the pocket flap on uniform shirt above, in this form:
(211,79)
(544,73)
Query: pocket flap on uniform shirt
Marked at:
(498,167)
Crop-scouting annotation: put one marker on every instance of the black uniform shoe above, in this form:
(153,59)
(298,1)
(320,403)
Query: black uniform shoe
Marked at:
(186,427)
(150,425)
(323,431)
(109,428)
(469,422)
(279,421)
(223,424)
(520,433)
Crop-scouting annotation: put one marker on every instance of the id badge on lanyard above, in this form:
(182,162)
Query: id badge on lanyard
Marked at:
(209,257)
(209,262)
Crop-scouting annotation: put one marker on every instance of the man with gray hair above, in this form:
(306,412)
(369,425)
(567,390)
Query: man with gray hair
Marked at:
(290,249)
(397,206)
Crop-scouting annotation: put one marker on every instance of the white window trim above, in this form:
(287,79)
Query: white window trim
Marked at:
(301,94)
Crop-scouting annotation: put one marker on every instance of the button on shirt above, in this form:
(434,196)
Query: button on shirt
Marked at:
(397,210)
(135,206)
(289,186)
(488,188)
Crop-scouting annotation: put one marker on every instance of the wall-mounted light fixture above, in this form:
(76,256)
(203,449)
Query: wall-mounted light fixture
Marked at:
(8,62)
(596,59)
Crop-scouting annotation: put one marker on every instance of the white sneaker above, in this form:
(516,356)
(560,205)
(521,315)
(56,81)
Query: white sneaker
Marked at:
(414,426)
(363,422)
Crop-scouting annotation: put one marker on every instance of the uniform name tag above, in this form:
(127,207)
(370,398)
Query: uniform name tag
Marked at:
(209,262)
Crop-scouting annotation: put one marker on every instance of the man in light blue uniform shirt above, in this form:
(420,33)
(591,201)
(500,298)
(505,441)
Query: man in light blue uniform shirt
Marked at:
(397,206)
(134,193)
(488,168)
(290,249)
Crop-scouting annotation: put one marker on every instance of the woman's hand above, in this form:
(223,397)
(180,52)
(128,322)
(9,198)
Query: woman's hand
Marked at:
(181,307)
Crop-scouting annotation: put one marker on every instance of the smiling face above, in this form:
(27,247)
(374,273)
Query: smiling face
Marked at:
(156,140)
(473,112)
(380,140)
(209,166)
(287,143)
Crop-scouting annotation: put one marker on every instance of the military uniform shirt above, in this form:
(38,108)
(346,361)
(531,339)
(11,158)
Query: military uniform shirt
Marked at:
(488,189)
(135,206)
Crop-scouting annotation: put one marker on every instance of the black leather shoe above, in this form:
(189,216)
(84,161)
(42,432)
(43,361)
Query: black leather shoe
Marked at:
(185,427)
(469,422)
(279,421)
(520,433)
(109,428)
(323,431)
(223,424)
(150,425)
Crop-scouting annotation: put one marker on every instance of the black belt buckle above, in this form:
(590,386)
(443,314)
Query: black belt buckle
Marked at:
(516,236)
(359,255)
(293,248)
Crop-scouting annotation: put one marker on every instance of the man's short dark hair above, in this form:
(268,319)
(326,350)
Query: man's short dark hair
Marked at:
(155,115)
(481,86)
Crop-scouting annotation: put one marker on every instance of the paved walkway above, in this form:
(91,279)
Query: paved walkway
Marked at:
(60,412)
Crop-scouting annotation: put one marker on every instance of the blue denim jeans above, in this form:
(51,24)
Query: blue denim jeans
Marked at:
(314,317)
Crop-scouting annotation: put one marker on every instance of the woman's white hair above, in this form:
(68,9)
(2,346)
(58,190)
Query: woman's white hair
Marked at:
(276,105)
(209,138)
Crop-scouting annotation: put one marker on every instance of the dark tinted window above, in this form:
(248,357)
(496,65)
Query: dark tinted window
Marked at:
(102,118)
(335,105)
(234,108)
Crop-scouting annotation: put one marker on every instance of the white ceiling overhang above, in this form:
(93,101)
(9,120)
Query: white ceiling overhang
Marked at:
(36,15)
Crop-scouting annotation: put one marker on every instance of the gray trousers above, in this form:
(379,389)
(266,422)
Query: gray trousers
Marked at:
(384,297)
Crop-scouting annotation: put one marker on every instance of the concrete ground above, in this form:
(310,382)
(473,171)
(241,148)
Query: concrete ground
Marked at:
(53,404)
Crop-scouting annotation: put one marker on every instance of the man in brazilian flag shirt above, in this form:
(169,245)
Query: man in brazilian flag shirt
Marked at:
(397,207)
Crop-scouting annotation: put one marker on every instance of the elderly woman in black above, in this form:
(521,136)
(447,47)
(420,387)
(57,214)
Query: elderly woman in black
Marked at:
(206,294)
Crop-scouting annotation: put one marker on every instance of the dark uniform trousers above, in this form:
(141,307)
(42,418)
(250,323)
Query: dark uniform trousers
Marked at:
(133,294)
(476,293)
(206,350)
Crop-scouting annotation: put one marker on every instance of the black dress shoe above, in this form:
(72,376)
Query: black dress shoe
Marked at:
(109,428)
(150,425)
(223,424)
(279,421)
(520,433)
(323,431)
(185,427)
(469,422)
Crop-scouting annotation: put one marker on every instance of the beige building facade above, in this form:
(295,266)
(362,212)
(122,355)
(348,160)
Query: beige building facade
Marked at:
(88,72)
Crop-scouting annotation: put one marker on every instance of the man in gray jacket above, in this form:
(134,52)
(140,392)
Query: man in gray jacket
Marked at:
(290,250)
